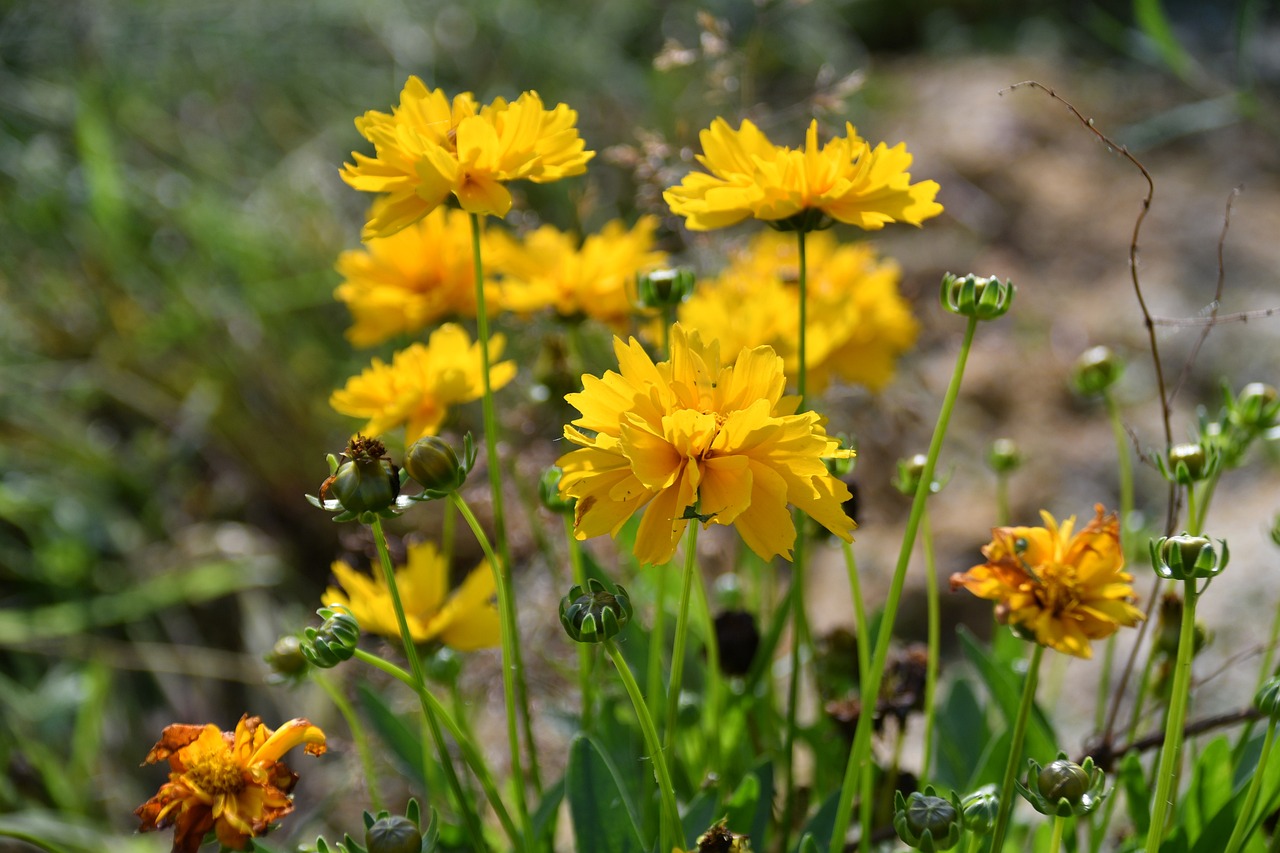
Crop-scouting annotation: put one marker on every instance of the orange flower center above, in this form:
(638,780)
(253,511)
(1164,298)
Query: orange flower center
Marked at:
(1058,589)
(217,773)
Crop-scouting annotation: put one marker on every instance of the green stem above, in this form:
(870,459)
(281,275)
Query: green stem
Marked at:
(469,817)
(682,633)
(448,533)
(798,633)
(714,685)
(803,286)
(657,640)
(670,812)
(1055,843)
(510,668)
(1171,751)
(1002,499)
(1251,798)
(358,736)
(470,754)
(861,630)
(935,642)
(971,846)
(586,686)
(1015,749)
(860,753)
(503,567)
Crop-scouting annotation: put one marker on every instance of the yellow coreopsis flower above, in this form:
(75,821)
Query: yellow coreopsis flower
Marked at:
(465,619)
(421,382)
(230,782)
(845,179)
(428,148)
(417,276)
(692,438)
(858,322)
(1062,591)
(547,269)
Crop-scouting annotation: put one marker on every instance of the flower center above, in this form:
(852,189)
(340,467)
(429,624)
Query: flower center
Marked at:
(1058,590)
(216,774)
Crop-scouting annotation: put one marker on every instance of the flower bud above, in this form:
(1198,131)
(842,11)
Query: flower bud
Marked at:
(432,463)
(1185,557)
(595,616)
(1096,370)
(1256,408)
(444,666)
(1064,788)
(926,821)
(286,660)
(910,472)
(1268,698)
(981,809)
(549,492)
(976,297)
(366,482)
(335,640)
(394,834)
(1190,463)
(1004,456)
(664,288)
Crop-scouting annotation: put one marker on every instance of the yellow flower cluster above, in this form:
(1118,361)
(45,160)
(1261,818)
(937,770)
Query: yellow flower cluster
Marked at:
(1061,590)
(416,389)
(858,323)
(465,619)
(692,438)
(429,148)
(845,179)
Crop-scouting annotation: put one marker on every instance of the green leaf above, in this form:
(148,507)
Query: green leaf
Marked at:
(1006,690)
(405,744)
(699,816)
(962,736)
(743,804)
(604,820)
(1210,790)
(1137,796)
(544,818)
(1150,17)
(821,825)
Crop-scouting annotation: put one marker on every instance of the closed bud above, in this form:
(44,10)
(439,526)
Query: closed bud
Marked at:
(1096,370)
(595,614)
(1004,456)
(981,810)
(976,297)
(1268,698)
(549,492)
(286,660)
(1063,788)
(335,640)
(910,472)
(1185,557)
(394,834)
(444,666)
(664,288)
(432,463)
(1191,463)
(1257,407)
(926,821)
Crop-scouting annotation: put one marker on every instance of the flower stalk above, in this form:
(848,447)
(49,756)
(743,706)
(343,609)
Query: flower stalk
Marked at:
(682,634)
(1171,751)
(1015,748)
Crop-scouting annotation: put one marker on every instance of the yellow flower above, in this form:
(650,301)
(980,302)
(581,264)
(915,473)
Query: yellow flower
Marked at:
(465,619)
(690,437)
(547,269)
(421,382)
(429,148)
(412,279)
(229,782)
(845,179)
(1063,591)
(858,323)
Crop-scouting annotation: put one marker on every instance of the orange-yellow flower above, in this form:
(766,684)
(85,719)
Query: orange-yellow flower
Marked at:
(465,619)
(428,148)
(412,279)
(845,179)
(230,782)
(1063,591)
(421,382)
(692,438)
(547,269)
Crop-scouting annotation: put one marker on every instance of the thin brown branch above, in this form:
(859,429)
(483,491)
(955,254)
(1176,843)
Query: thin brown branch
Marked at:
(1215,305)
(1237,317)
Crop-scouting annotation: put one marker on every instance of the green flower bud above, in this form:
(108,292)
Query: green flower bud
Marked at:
(366,482)
(926,821)
(981,809)
(910,471)
(549,492)
(595,616)
(1096,370)
(432,463)
(394,834)
(1191,463)
(1268,698)
(664,288)
(1185,557)
(1004,456)
(1064,788)
(334,641)
(286,660)
(1256,408)
(976,297)
(444,666)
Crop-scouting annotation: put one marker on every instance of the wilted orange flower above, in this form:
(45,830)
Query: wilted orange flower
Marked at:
(412,279)
(230,782)
(692,438)
(1063,591)
(845,179)
(428,148)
